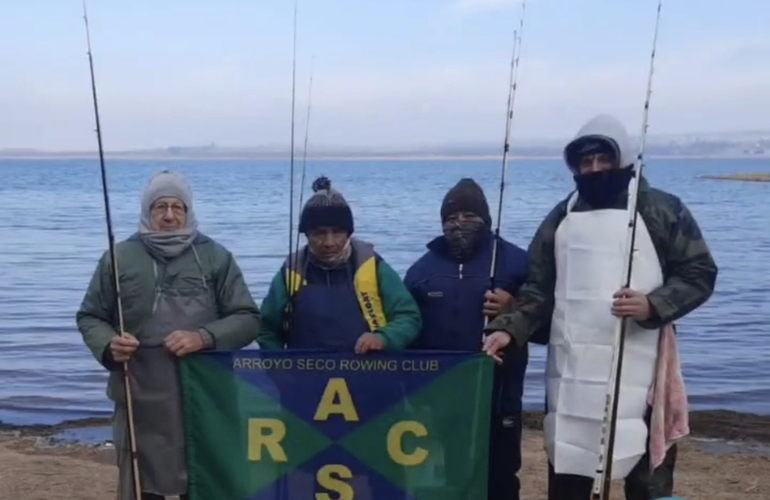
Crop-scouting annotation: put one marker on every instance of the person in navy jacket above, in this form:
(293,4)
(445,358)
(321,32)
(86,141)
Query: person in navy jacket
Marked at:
(451,284)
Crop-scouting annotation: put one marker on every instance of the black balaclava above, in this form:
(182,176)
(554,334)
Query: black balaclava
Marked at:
(599,189)
(463,235)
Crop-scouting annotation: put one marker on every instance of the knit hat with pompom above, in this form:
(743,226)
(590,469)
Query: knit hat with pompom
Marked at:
(326,208)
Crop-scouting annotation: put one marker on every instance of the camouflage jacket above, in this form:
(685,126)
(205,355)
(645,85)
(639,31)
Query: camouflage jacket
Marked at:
(688,268)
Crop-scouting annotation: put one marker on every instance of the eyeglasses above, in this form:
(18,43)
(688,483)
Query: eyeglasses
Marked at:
(162,208)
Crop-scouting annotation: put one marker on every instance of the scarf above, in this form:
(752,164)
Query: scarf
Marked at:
(335,261)
(166,245)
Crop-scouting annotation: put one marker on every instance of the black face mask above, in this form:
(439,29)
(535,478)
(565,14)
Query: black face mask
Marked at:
(602,189)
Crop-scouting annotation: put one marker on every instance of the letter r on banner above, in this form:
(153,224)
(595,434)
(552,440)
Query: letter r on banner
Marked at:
(272,440)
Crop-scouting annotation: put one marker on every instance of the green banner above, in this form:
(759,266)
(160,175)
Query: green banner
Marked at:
(295,425)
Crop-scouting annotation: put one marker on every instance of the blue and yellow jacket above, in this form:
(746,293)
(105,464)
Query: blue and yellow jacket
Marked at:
(333,307)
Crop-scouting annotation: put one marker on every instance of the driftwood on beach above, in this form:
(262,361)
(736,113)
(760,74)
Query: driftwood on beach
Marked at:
(740,177)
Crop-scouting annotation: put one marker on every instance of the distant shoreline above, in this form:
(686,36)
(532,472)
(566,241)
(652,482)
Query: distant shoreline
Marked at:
(391,158)
(764,177)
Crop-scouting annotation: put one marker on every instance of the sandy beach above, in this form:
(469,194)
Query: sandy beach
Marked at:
(726,457)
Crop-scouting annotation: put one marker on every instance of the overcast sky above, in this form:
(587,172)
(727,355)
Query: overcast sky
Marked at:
(387,73)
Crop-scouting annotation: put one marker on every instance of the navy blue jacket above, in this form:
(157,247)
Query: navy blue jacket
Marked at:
(450,296)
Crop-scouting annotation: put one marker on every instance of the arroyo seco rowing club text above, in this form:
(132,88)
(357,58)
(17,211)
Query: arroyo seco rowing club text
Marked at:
(321,364)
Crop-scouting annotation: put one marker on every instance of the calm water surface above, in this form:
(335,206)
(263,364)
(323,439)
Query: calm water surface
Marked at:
(52,233)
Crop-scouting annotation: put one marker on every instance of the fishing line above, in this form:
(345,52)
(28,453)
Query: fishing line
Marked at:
(291,262)
(304,153)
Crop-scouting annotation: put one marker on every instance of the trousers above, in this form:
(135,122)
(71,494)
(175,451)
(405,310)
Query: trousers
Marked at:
(640,484)
(504,458)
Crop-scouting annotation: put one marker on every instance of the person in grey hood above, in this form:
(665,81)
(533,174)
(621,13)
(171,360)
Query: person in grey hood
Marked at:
(181,292)
(167,233)
(576,263)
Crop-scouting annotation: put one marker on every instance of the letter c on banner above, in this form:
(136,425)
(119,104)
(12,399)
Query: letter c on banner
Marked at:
(326,479)
(396,452)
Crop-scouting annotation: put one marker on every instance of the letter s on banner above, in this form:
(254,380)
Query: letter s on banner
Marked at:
(326,479)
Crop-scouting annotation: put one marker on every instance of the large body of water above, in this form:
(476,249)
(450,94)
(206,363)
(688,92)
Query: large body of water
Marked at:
(52,233)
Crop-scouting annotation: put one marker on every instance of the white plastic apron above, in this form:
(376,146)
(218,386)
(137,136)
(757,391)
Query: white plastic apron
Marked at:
(590,253)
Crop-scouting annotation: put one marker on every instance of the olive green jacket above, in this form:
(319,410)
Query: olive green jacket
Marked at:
(689,270)
(97,319)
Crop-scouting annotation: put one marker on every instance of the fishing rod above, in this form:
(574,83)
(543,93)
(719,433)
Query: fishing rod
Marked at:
(603,478)
(114,263)
(291,262)
(512,86)
(304,153)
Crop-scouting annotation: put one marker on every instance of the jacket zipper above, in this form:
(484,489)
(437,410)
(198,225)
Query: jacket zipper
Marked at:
(455,334)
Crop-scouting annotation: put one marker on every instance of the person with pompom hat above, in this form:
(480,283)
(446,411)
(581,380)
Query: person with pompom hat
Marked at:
(336,292)
(451,284)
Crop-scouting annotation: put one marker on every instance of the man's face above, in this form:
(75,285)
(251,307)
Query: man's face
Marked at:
(327,242)
(168,214)
(598,162)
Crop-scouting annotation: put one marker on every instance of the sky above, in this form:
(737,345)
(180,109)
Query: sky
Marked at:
(386,74)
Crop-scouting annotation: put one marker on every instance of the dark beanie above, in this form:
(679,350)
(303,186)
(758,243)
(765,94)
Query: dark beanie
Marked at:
(590,145)
(326,207)
(466,196)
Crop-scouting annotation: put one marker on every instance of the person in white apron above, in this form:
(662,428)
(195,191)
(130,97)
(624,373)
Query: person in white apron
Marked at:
(181,293)
(576,268)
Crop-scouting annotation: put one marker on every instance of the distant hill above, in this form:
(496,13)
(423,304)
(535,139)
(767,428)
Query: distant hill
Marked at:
(736,145)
